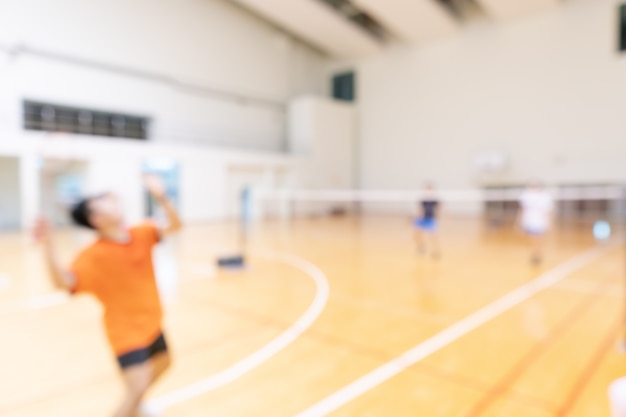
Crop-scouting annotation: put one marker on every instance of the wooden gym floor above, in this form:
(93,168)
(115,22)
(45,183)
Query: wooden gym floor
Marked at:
(271,341)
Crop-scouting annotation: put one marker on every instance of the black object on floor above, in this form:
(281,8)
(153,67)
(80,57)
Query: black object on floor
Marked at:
(236,261)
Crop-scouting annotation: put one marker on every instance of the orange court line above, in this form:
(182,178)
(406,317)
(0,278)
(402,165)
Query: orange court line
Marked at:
(592,366)
(502,386)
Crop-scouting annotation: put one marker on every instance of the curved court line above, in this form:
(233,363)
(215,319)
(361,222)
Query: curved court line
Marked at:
(452,334)
(266,352)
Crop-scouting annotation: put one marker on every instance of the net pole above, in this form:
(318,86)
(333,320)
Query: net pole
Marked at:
(244,219)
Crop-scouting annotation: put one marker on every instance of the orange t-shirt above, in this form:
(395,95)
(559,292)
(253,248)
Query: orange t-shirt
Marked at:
(121,276)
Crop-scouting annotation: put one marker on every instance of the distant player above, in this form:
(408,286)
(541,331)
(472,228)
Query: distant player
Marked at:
(117,269)
(536,206)
(426,223)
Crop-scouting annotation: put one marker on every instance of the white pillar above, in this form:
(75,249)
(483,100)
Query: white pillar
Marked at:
(30,193)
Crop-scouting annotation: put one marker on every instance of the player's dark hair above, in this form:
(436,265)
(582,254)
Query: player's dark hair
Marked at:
(81,212)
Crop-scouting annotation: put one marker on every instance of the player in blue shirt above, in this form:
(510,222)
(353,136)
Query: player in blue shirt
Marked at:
(426,223)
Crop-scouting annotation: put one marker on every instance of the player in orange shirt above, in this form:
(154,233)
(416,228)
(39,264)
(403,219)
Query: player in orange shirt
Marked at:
(117,269)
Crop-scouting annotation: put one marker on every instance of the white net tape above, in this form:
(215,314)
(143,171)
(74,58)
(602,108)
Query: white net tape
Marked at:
(290,203)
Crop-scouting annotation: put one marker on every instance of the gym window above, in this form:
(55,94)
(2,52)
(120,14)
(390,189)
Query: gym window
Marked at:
(49,117)
(343,86)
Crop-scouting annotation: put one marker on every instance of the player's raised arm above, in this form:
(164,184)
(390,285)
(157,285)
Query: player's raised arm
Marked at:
(157,190)
(62,278)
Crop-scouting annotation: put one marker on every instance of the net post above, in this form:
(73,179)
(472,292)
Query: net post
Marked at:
(245,218)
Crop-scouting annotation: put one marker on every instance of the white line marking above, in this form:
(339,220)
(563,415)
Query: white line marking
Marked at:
(266,352)
(35,303)
(449,195)
(451,334)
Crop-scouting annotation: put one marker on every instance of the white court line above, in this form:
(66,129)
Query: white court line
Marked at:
(451,334)
(35,303)
(266,352)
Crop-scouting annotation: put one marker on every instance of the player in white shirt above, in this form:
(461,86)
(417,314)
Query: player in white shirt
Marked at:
(536,206)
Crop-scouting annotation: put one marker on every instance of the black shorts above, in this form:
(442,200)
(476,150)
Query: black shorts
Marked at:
(143,355)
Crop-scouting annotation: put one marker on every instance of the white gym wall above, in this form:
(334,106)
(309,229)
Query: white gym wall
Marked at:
(322,132)
(210,43)
(322,135)
(524,86)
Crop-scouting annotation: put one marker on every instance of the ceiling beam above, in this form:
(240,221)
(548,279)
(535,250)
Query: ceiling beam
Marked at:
(317,24)
(411,20)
